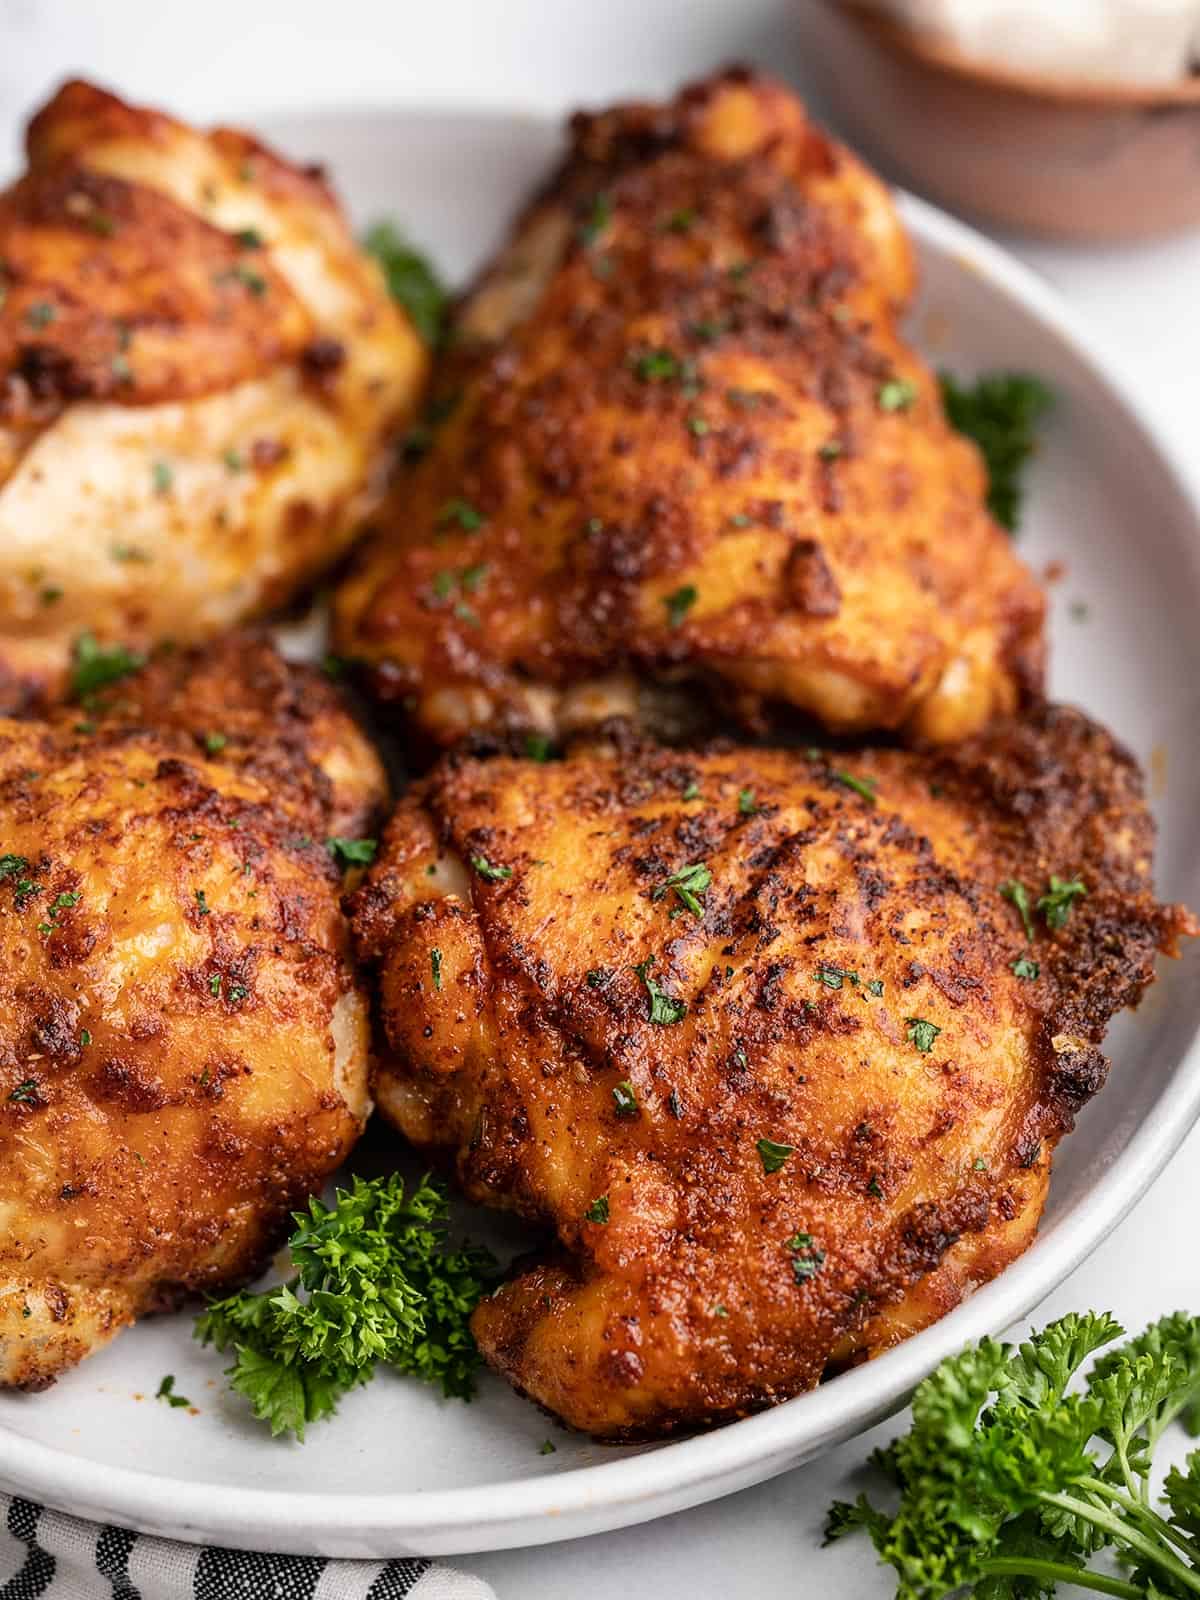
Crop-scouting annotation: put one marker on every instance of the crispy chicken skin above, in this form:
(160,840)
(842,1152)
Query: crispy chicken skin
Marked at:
(183,1042)
(591,1050)
(681,436)
(199,371)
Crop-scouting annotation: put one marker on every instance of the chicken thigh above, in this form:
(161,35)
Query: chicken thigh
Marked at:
(777,1043)
(199,375)
(678,437)
(183,1042)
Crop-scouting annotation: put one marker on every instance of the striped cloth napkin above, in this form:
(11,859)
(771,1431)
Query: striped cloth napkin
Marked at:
(46,1555)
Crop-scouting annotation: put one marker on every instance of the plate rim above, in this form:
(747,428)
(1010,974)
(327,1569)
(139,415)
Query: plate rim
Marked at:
(630,1489)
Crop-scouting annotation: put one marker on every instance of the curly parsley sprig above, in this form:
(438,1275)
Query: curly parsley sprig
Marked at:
(374,1282)
(1011,1480)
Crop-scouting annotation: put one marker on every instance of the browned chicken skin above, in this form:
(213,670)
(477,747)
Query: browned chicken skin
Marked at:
(200,377)
(679,436)
(183,1043)
(601,1039)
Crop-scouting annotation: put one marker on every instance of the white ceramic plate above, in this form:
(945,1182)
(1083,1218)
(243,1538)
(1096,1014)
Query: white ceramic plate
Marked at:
(400,1471)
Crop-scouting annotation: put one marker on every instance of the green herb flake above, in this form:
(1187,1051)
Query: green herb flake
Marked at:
(538,747)
(1001,413)
(162,477)
(875,987)
(665,1010)
(435,967)
(598,1210)
(807,1260)
(625,1099)
(697,427)
(26,1093)
(746,803)
(921,1033)
(352,852)
(865,787)
(202,904)
(166,1391)
(773,1156)
(85,1037)
(411,279)
(680,603)
(896,395)
(691,792)
(486,870)
(1015,891)
(215,742)
(94,667)
(548,1448)
(691,884)
(1022,967)
(596,220)
(461,511)
(656,366)
(833,977)
(1055,905)
(40,315)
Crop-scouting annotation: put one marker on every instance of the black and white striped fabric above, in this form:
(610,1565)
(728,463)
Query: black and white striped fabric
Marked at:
(46,1555)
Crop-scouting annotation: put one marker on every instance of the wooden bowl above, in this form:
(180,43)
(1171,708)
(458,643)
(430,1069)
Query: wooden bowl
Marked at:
(1069,159)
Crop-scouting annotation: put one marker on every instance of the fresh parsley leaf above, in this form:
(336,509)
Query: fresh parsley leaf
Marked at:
(773,1156)
(921,1033)
(664,1008)
(833,977)
(486,870)
(1000,412)
(896,395)
(1014,1474)
(375,1281)
(691,884)
(1023,967)
(26,1093)
(807,1260)
(352,852)
(166,1391)
(598,1210)
(680,603)
(435,966)
(746,803)
(95,667)
(1055,905)
(655,366)
(865,787)
(1016,891)
(469,518)
(411,279)
(625,1099)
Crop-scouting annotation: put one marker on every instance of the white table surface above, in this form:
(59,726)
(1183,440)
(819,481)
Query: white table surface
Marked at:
(232,57)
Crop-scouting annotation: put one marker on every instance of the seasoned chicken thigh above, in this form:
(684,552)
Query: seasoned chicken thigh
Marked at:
(778,1044)
(183,1043)
(199,374)
(678,436)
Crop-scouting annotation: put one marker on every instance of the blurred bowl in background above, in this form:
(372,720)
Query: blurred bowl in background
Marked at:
(1063,158)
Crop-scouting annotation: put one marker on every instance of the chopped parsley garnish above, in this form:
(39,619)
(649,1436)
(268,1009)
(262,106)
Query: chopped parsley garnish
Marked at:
(374,1281)
(690,884)
(538,747)
(875,987)
(85,1037)
(548,1448)
(692,792)
(1055,905)
(865,787)
(746,805)
(26,1093)
(680,221)
(833,977)
(772,1155)
(233,458)
(874,1188)
(41,314)
(215,742)
(485,869)
(352,852)
(896,395)
(921,1033)
(625,1099)
(664,1008)
(598,1210)
(680,603)
(697,426)
(1024,968)
(248,239)
(1000,412)
(1016,891)
(162,476)
(599,978)
(166,1391)
(807,1260)
(469,519)
(95,667)
(214,984)
(202,904)
(435,967)
(411,280)
(598,217)
(656,366)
